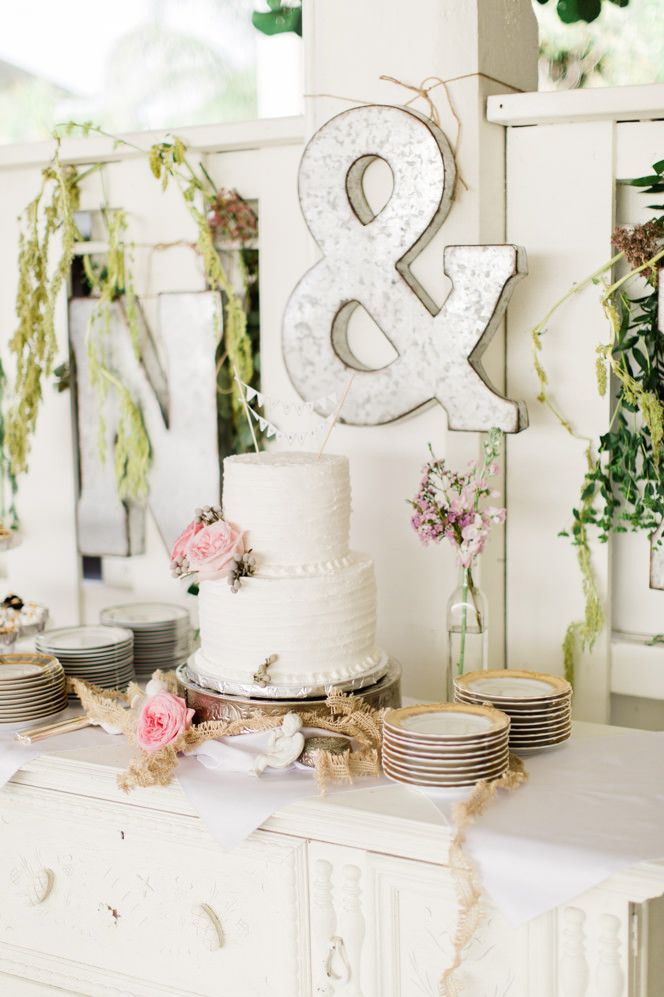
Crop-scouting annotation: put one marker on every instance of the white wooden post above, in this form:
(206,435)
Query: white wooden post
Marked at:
(348,46)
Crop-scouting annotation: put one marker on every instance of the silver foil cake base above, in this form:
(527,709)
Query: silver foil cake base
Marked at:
(251,690)
(211,705)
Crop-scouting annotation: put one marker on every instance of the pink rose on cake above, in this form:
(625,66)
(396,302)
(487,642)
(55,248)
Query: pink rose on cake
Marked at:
(181,545)
(212,548)
(213,551)
(162,719)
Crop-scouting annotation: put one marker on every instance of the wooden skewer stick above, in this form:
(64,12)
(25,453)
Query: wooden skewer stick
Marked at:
(240,388)
(336,414)
(49,730)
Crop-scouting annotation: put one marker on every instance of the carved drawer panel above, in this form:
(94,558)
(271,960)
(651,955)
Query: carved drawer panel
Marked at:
(383,926)
(101,898)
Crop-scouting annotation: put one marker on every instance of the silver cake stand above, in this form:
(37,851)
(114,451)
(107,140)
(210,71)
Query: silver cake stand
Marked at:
(211,705)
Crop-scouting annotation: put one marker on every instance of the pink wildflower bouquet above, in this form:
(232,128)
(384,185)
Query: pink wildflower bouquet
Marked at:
(452,506)
(447,504)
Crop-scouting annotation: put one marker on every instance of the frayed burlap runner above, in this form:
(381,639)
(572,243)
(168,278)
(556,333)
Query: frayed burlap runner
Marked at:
(342,714)
(464,874)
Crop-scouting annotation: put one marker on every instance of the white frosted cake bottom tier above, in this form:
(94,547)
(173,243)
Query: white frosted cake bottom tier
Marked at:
(320,628)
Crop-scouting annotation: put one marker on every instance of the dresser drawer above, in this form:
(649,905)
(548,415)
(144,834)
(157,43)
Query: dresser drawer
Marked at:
(101,898)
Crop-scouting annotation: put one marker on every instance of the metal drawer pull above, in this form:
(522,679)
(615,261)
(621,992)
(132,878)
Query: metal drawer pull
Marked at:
(216,924)
(337,948)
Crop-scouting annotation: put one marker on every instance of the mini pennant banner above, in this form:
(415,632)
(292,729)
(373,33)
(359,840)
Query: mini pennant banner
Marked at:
(278,404)
(272,432)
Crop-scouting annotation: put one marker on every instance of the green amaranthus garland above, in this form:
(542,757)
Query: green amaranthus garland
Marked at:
(52,214)
(622,487)
(49,215)
(109,284)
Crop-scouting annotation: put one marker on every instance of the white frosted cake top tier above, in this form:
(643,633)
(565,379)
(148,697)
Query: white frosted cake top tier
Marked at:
(295,506)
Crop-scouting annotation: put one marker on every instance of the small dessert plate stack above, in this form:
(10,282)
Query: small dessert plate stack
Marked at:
(445,744)
(101,655)
(540,706)
(162,632)
(32,686)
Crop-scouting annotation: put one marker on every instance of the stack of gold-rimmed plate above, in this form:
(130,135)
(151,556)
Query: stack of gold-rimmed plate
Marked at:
(32,686)
(163,634)
(445,744)
(539,705)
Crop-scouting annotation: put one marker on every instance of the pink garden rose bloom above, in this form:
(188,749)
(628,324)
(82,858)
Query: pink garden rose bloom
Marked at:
(213,549)
(182,544)
(162,718)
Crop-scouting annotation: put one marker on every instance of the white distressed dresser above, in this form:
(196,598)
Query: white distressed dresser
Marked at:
(107,894)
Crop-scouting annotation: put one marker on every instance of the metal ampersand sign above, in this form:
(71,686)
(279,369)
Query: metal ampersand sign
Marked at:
(366,261)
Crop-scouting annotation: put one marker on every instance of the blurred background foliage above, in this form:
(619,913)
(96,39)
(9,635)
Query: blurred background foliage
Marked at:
(160,64)
(621,45)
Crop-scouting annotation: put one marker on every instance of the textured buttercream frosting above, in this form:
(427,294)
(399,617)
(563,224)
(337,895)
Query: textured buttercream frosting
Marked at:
(311,603)
(294,506)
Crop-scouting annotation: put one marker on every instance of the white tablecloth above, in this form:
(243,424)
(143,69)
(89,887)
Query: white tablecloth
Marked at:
(14,755)
(590,808)
(233,802)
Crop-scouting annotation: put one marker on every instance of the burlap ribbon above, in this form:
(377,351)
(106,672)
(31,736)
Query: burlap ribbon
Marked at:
(342,714)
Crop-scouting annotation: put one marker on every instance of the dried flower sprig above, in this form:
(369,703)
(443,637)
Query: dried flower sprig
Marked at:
(231,218)
(244,566)
(208,514)
(639,243)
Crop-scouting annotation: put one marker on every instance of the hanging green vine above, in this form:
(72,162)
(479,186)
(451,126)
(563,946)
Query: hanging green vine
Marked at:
(51,217)
(622,487)
(8,487)
(112,285)
(169,160)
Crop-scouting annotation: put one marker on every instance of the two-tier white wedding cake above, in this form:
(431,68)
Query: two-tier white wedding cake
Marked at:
(304,618)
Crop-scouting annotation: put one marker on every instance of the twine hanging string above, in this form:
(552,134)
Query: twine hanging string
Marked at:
(423,92)
(466,881)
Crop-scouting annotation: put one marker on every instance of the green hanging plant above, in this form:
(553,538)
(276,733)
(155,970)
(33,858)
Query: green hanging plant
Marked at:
(48,217)
(51,217)
(110,284)
(622,487)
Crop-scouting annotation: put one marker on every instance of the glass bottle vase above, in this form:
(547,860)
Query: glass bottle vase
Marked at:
(467,630)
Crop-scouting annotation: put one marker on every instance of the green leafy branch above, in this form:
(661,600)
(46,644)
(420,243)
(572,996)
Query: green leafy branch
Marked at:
(49,233)
(48,216)
(622,486)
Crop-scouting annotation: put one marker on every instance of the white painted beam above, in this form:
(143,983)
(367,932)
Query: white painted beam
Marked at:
(639,103)
(228,137)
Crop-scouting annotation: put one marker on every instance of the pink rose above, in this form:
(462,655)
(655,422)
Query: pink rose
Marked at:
(181,545)
(161,720)
(214,548)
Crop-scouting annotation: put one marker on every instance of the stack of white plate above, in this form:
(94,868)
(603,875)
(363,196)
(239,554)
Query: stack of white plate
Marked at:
(163,634)
(101,655)
(445,744)
(32,686)
(540,706)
